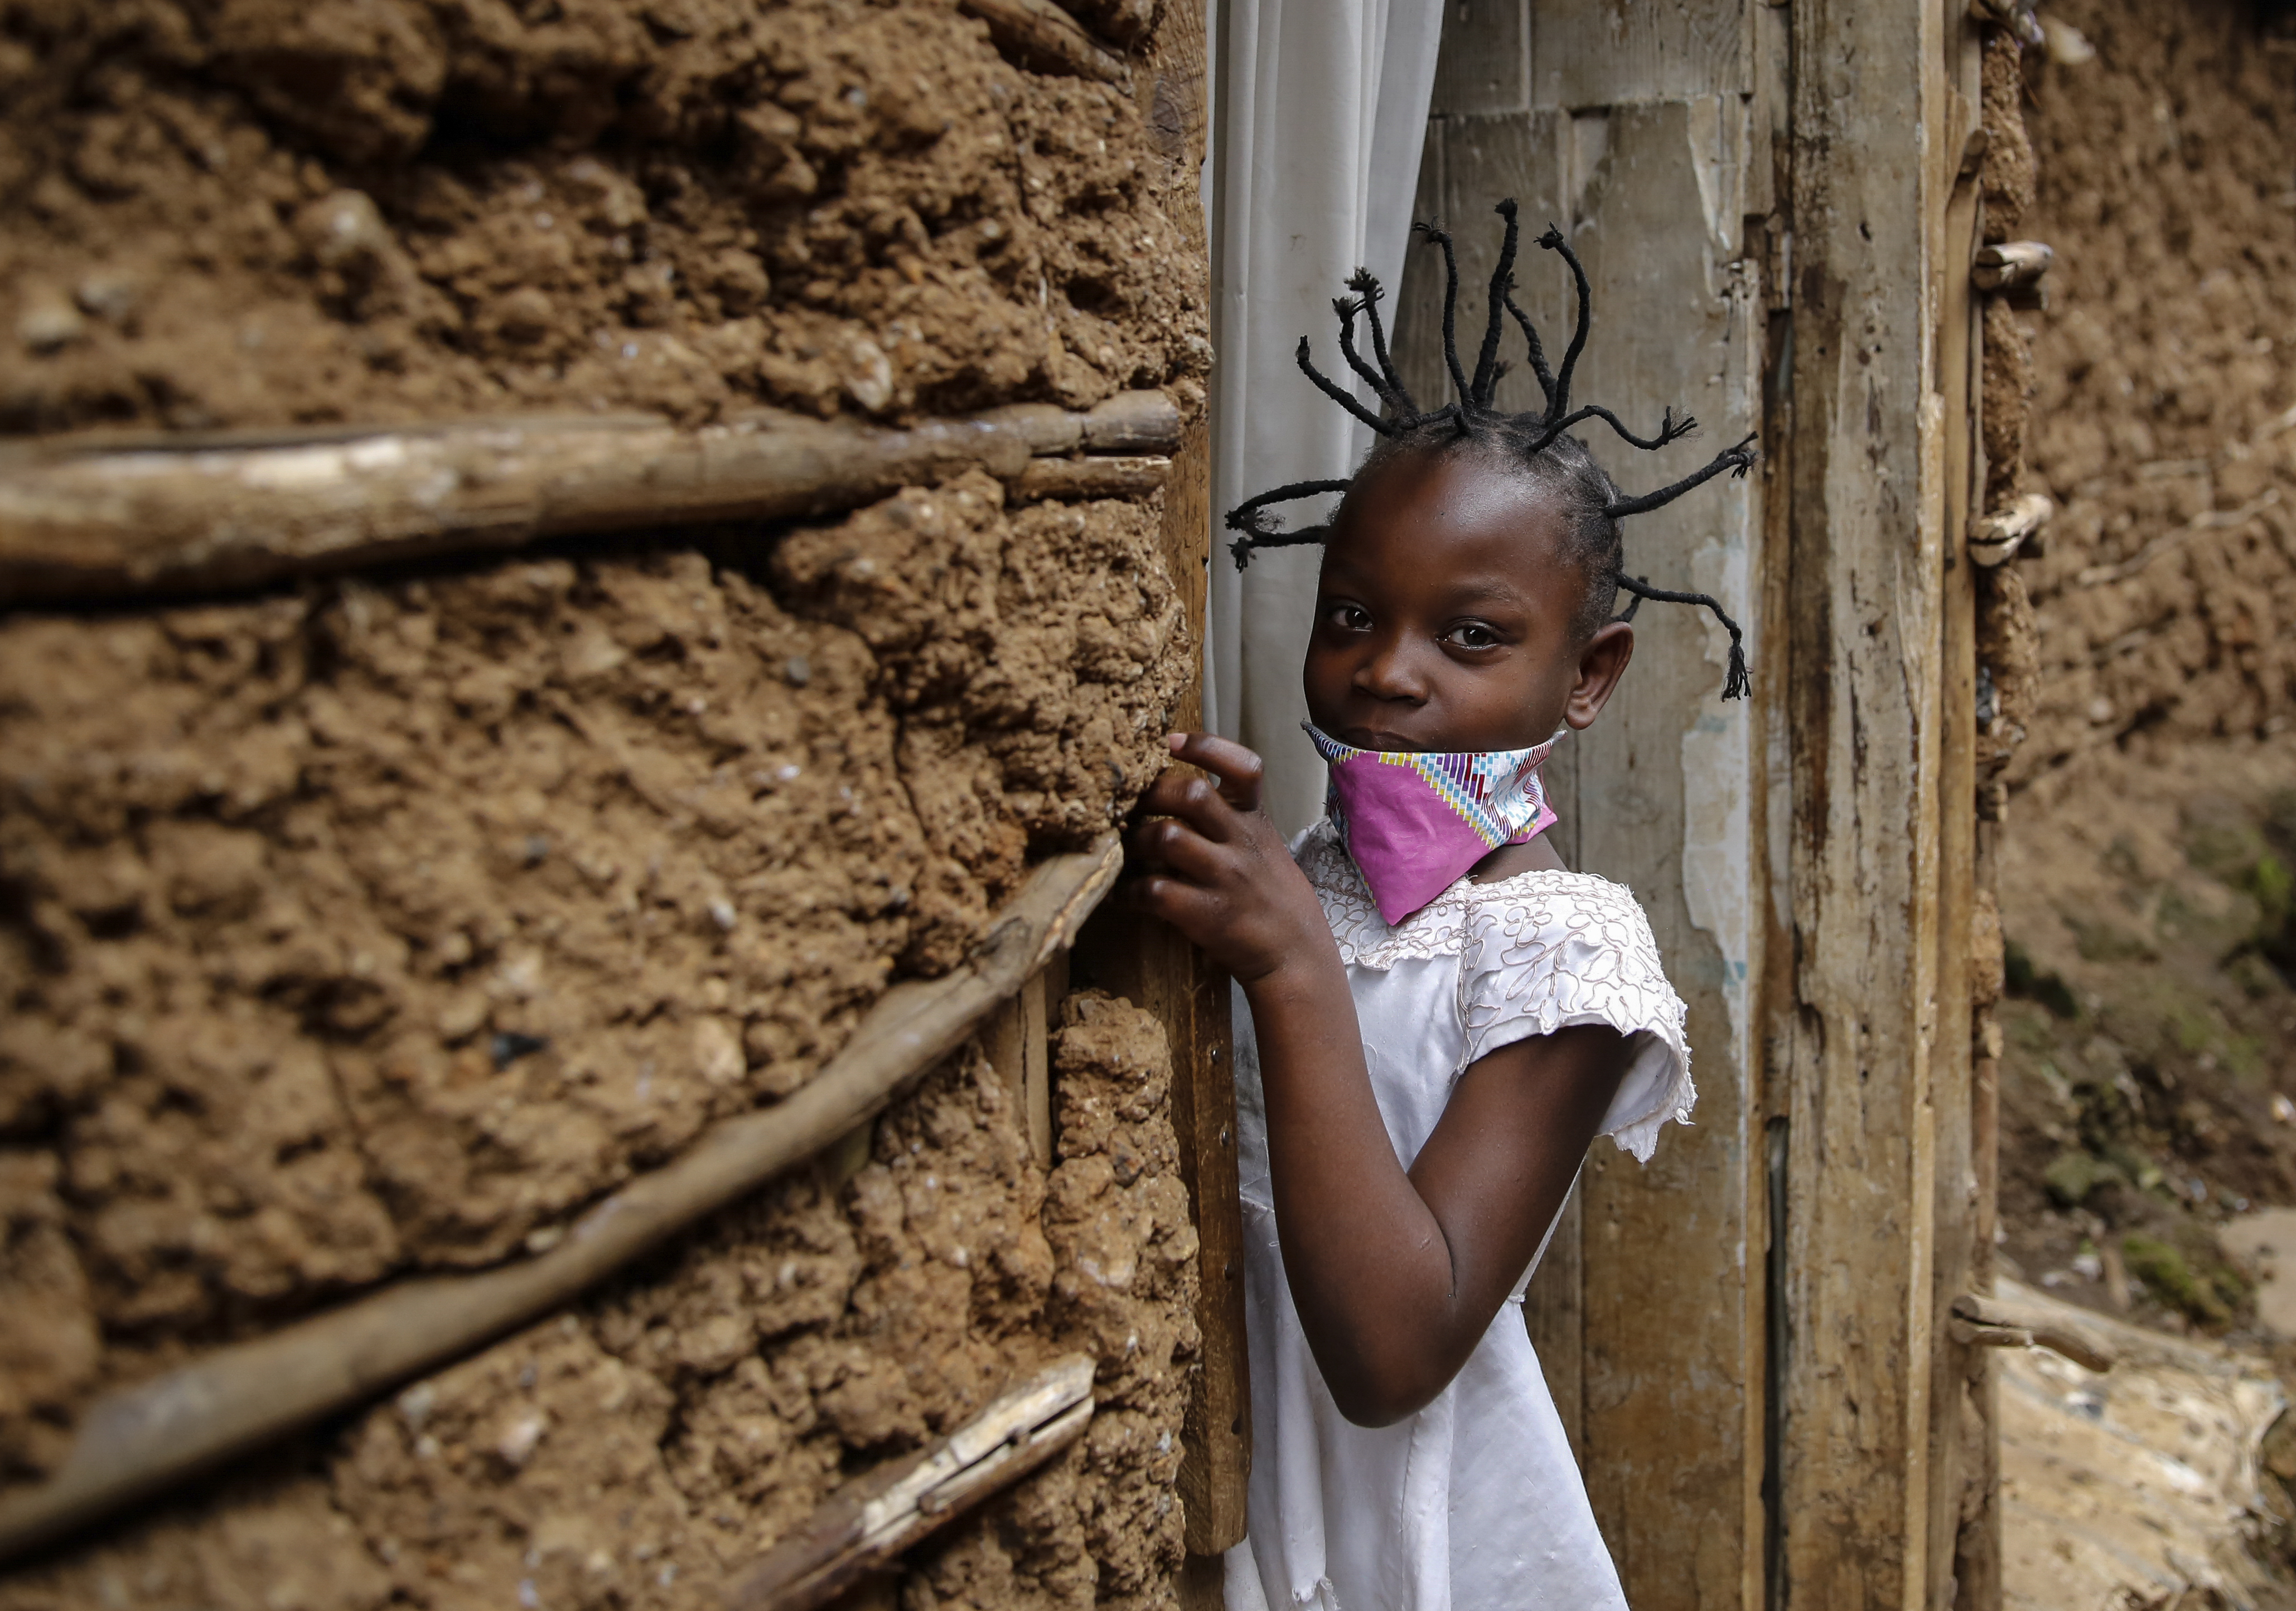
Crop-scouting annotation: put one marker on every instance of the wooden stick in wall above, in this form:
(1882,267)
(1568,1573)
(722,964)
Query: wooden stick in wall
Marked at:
(106,517)
(1044,36)
(139,1441)
(869,1521)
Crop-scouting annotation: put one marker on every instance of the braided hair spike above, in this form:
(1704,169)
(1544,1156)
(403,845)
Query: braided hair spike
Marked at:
(1737,461)
(1339,394)
(1560,399)
(1261,529)
(1348,309)
(1367,286)
(1439,236)
(1536,444)
(1735,683)
(1487,362)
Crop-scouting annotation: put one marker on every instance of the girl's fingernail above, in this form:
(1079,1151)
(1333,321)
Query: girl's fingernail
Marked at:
(1176,741)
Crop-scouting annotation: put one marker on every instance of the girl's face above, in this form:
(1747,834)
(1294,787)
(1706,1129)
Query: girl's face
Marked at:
(1444,614)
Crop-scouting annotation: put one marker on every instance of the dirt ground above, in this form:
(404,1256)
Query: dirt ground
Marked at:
(2150,1036)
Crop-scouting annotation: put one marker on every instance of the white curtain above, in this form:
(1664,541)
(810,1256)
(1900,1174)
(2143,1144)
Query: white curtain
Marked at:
(1320,113)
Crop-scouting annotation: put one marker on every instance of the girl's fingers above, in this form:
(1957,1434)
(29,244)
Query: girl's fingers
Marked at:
(1239,770)
(1183,906)
(1194,800)
(1173,847)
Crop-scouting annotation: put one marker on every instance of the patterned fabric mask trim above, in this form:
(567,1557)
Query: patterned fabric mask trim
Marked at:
(1415,822)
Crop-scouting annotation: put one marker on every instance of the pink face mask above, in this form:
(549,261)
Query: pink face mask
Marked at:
(1416,823)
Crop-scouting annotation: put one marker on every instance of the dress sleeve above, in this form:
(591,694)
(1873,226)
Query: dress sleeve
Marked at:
(1544,957)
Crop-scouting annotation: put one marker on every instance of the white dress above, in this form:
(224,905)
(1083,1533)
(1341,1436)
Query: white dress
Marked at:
(1475,1501)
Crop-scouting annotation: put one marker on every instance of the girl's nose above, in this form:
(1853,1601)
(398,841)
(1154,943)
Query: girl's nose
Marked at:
(1391,672)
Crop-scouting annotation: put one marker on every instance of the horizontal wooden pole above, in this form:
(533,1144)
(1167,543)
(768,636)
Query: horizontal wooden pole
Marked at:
(2011,264)
(2000,537)
(1128,475)
(1995,1322)
(102,518)
(1044,37)
(869,1521)
(137,1441)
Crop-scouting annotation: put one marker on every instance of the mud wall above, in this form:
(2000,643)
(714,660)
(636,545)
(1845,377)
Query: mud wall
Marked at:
(2151,817)
(376,927)
(2163,377)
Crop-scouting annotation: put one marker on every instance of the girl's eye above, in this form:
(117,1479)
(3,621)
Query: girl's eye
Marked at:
(1473,635)
(1348,617)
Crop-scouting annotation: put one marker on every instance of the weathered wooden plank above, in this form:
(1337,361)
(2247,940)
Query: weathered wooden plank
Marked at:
(1854,1492)
(1622,54)
(1959,1369)
(870,1521)
(1484,64)
(1671,1352)
(1151,964)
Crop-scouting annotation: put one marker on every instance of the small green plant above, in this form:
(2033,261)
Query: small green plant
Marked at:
(2200,1286)
(2074,1176)
(2274,889)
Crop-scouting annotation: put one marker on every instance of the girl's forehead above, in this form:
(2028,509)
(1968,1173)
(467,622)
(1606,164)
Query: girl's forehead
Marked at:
(1453,505)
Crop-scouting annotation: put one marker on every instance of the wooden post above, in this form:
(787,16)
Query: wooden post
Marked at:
(1864,1216)
(1148,962)
(1960,1425)
(1151,964)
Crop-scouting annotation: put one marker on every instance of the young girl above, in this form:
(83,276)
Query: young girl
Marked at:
(1443,1017)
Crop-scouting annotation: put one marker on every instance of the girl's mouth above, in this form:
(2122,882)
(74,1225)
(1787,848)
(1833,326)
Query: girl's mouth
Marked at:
(1363,738)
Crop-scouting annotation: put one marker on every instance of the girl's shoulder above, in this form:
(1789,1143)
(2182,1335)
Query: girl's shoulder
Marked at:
(1538,953)
(1526,916)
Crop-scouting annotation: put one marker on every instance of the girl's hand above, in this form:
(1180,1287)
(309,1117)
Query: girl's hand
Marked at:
(1218,871)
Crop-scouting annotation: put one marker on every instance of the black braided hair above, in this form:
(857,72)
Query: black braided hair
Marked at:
(1536,443)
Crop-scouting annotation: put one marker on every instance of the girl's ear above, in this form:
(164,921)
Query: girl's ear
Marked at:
(1600,664)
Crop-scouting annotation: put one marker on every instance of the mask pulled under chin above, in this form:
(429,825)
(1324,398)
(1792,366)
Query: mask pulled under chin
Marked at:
(1415,821)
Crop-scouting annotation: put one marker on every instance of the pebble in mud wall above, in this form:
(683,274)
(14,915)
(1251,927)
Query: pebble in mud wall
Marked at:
(643,1449)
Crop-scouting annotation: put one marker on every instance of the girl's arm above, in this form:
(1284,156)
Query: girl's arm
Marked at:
(1395,1275)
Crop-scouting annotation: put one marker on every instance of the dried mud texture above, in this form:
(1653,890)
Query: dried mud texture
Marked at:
(385,926)
(2168,593)
(256,212)
(642,1449)
(2006,173)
